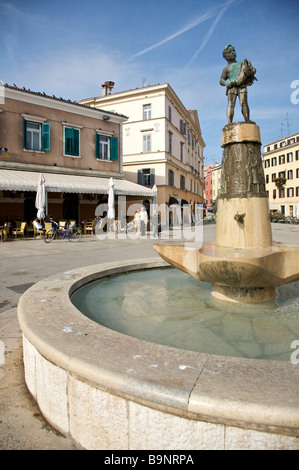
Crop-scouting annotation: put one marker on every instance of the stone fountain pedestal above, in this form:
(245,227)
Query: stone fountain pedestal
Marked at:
(243,264)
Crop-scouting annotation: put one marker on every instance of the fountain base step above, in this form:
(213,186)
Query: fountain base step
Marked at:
(245,295)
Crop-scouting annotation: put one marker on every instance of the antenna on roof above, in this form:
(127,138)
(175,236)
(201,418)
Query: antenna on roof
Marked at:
(281,129)
(143,82)
(288,123)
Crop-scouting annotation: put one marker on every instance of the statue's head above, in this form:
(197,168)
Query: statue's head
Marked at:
(229,51)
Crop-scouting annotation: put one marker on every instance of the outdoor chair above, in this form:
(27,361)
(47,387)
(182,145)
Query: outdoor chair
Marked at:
(89,227)
(4,232)
(37,231)
(62,224)
(48,226)
(20,231)
(30,228)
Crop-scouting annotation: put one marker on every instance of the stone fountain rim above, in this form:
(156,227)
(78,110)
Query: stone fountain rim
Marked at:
(247,393)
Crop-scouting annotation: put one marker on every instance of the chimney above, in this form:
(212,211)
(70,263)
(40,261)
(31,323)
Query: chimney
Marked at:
(107,87)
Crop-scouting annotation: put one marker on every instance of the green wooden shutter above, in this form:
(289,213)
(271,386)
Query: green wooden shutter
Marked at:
(140,177)
(68,138)
(76,142)
(97,146)
(114,148)
(152,177)
(24,133)
(71,137)
(46,136)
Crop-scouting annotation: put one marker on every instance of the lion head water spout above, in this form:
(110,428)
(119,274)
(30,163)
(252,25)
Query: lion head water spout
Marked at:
(243,264)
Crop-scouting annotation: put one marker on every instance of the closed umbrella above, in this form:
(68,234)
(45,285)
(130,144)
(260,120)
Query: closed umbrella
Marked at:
(111,211)
(40,200)
(155,198)
(155,217)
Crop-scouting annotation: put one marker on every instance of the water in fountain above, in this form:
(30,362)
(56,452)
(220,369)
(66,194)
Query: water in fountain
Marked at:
(169,307)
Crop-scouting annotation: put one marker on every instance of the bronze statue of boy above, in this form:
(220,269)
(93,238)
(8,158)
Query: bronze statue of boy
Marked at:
(236,76)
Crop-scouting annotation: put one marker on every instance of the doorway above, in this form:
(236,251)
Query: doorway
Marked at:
(70,208)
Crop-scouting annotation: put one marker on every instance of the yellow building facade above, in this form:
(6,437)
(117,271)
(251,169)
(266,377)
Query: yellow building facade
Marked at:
(281,167)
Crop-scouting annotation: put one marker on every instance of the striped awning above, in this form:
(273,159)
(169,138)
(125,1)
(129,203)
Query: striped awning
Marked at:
(17,180)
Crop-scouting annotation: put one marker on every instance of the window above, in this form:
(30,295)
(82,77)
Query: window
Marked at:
(183,128)
(289,157)
(182,182)
(290,174)
(147,143)
(106,147)
(169,113)
(273,176)
(170,143)
(297,154)
(281,159)
(297,191)
(146,177)
(36,135)
(281,192)
(274,193)
(267,163)
(274,161)
(297,173)
(171,178)
(291,211)
(267,179)
(290,192)
(147,111)
(182,151)
(71,141)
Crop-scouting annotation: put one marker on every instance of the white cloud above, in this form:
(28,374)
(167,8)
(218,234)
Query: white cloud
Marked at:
(77,73)
(202,18)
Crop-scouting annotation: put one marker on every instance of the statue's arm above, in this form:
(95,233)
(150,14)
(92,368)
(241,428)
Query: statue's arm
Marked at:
(224,77)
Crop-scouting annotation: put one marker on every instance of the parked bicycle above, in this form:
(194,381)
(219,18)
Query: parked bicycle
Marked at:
(115,227)
(71,233)
(290,220)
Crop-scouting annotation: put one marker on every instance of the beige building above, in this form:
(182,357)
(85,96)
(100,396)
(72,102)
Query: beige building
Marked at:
(281,167)
(162,142)
(77,148)
(216,181)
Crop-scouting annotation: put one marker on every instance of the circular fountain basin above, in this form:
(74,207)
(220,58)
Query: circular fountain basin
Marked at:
(109,390)
(169,307)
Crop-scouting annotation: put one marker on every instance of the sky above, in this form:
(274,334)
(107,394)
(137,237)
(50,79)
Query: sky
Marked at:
(68,48)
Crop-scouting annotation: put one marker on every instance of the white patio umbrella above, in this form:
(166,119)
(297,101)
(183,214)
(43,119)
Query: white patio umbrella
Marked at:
(111,211)
(155,198)
(40,199)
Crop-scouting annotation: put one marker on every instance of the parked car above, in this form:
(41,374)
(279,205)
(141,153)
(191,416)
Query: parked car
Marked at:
(210,217)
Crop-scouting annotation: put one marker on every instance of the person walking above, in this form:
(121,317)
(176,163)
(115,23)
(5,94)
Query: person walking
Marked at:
(143,221)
